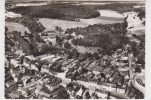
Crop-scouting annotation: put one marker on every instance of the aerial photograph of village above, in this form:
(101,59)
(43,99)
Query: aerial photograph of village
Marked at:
(74,49)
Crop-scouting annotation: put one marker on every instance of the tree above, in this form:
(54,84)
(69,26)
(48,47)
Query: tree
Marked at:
(102,75)
(39,39)
(6,29)
(84,70)
(35,51)
(88,55)
(58,67)
(31,35)
(96,55)
(138,69)
(70,55)
(95,96)
(25,33)
(69,37)
(59,40)
(59,29)
(87,95)
(74,41)
(75,53)
(45,48)
(67,45)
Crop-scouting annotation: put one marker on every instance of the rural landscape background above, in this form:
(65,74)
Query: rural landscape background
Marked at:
(75,49)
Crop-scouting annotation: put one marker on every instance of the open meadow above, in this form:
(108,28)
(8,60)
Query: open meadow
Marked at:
(16,26)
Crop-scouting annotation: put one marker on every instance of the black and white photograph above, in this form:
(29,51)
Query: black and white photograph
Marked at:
(74,49)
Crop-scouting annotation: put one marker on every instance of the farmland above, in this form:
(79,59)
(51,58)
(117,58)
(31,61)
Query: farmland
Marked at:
(15,26)
(52,23)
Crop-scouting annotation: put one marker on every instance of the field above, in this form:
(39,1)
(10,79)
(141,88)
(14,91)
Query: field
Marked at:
(15,26)
(111,13)
(102,20)
(31,4)
(139,32)
(50,24)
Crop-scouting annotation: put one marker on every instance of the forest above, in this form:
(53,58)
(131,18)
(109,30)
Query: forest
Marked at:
(57,11)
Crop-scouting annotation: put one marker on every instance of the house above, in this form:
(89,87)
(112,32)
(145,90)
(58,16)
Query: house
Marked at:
(9,34)
(14,62)
(57,59)
(123,69)
(45,68)
(30,58)
(43,94)
(124,58)
(80,36)
(50,37)
(23,91)
(34,67)
(41,91)
(25,79)
(15,95)
(51,87)
(79,93)
(48,33)
(52,40)
(77,19)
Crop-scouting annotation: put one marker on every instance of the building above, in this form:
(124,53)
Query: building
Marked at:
(45,68)
(41,91)
(9,34)
(79,92)
(77,19)
(48,39)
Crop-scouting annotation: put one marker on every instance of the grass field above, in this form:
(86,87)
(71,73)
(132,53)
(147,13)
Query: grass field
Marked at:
(31,4)
(139,32)
(16,27)
(50,24)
